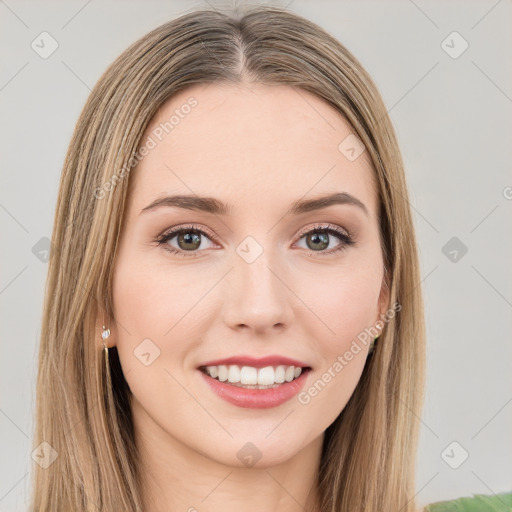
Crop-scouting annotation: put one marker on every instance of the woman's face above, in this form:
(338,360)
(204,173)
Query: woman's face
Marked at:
(249,276)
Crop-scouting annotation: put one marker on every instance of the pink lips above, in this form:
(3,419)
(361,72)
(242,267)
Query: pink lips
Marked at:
(256,362)
(257,398)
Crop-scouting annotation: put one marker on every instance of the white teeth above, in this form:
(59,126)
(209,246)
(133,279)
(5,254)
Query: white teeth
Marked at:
(265,376)
(233,373)
(223,372)
(250,376)
(279,374)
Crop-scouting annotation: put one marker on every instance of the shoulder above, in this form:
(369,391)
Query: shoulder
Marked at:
(477,503)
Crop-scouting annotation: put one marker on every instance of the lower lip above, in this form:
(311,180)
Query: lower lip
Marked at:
(257,398)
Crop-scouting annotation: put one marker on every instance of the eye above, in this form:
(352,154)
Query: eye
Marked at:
(317,239)
(188,239)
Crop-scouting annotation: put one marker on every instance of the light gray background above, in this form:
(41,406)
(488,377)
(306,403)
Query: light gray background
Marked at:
(454,122)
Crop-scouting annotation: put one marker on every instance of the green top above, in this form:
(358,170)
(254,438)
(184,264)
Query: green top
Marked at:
(478,503)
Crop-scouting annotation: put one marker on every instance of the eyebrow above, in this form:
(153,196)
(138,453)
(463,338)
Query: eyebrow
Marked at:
(216,207)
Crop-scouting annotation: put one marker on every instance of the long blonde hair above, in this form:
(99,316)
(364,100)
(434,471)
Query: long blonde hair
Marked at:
(83,412)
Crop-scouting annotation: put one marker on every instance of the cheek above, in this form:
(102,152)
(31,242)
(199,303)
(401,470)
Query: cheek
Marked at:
(346,307)
(344,303)
(150,299)
(165,304)
(150,309)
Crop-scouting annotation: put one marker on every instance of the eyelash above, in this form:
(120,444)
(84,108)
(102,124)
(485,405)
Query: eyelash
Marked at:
(345,238)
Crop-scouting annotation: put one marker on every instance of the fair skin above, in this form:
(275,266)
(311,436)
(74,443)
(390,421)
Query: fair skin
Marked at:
(258,149)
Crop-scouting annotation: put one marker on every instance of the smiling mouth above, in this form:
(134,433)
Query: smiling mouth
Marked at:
(247,377)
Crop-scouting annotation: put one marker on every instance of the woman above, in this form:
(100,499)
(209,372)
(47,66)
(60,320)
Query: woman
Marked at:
(233,313)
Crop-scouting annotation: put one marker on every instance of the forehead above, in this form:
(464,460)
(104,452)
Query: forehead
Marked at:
(248,144)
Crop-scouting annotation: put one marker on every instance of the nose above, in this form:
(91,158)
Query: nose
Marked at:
(257,296)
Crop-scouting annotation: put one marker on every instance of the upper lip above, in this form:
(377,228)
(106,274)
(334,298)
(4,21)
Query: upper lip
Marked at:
(256,362)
